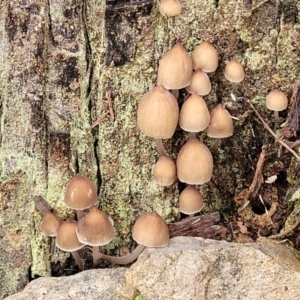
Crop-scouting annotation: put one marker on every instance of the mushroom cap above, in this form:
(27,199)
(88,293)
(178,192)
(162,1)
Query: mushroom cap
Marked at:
(205,57)
(81,193)
(175,69)
(66,238)
(190,200)
(164,171)
(200,83)
(194,163)
(170,8)
(95,229)
(151,230)
(50,224)
(276,100)
(194,115)
(234,71)
(157,114)
(221,125)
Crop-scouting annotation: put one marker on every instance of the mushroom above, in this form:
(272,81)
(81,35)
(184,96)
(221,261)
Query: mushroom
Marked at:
(276,101)
(234,72)
(67,240)
(80,194)
(220,126)
(194,115)
(157,115)
(164,171)
(50,224)
(200,83)
(150,230)
(194,163)
(190,201)
(95,229)
(175,69)
(170,8)
(205,57)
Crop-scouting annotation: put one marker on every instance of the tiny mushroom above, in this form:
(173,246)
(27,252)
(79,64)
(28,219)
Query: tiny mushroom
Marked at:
(234,72)
(205,57)
(194,115)
(67,240)
(170,8)
(95,229)
(164,171)
(80,194)
(157,115)
(150,230)
(194,163)
(190,200)
(175,69)
(220,126)
(50,224)
(200,83)
(276,101)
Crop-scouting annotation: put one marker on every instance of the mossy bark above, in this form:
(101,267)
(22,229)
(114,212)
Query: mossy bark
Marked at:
(58,59)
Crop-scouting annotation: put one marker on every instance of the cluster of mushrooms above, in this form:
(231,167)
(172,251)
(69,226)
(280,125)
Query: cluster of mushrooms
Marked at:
(157,117)
(94,228)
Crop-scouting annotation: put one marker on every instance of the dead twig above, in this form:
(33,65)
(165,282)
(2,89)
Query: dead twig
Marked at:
(100,119)
(258,179)
(280,141)
(285,232)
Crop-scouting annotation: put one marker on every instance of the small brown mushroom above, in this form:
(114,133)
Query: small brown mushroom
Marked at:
(194,115)
(220,126)
(164,171)
(190,200)
(150,230)
(200,83)
(67,240)
(95,229)
(175,69)
(205,57)
(194,163)
(234,72)
(170,8)
(50,224)
(80,194)
(276,101)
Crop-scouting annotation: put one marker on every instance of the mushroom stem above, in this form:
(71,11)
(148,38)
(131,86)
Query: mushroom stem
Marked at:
(192,135)
(77,259)
(79,214)
(160,147)
(124,260)
(235,91)
(215,145)
(276,115)
(96,254)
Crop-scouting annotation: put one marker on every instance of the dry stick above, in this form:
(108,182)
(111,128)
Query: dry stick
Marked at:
(254,187)
(280,141)
(285,232)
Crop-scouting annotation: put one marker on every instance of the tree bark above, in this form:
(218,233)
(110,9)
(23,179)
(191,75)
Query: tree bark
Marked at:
(58,62)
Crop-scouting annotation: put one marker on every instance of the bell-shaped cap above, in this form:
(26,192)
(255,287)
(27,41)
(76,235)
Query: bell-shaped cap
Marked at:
(50,224)
(170,8)
(221,125)
(175,69)
(157,114)
(95,229)
(151,230)
(205,57)
(234,71)
(200,83)
(276,100)
(190,200)
(164,171)
(81,193)
(194,163)
(66,238)
(194,115)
